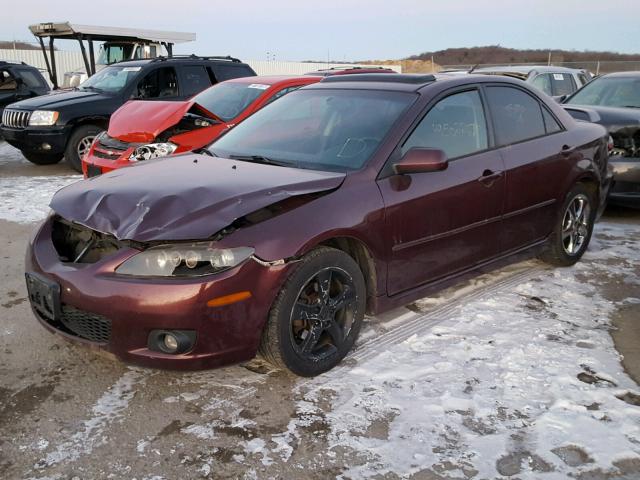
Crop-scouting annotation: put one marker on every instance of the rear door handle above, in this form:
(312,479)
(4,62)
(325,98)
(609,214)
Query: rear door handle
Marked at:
(488,177)
(567,149)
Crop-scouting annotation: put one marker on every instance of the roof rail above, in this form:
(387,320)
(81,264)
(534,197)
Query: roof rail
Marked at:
(372,67)
(11,62)
(197,57)
(380,77)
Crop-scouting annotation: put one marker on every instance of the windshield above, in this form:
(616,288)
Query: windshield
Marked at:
(609,92)
(318,129)
(110,79)
(112,53)
(228,100)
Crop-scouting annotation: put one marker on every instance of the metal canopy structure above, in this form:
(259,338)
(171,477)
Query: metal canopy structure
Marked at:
(91,33)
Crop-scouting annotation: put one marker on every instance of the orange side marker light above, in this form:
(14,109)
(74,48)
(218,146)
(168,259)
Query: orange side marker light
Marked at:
(229,299)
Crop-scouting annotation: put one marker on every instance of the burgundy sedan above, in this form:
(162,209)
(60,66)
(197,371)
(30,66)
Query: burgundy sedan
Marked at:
(348,197)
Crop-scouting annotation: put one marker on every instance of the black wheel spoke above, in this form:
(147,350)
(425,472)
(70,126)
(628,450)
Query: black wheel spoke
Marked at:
(304,311)
(324,285)
(336,332)
(345,298)
(311,338)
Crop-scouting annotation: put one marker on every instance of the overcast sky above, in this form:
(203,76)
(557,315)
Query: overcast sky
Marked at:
(349,29)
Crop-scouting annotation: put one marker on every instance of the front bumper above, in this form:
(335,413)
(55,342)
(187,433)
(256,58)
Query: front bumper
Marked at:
(51,140)
(94,164)
(136,306)
(625,190)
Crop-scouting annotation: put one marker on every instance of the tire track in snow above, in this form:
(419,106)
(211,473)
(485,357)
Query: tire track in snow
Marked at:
(107,408)
(418,323)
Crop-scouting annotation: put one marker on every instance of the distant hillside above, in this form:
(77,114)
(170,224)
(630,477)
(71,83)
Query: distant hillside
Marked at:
(18,46)
(498,54)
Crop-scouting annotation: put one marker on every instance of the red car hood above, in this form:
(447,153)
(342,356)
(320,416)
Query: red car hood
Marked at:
(141,121)
(185,197)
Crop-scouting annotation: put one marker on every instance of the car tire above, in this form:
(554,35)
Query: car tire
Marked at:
(78,144)
(311,327)
(42,158)
(573,229)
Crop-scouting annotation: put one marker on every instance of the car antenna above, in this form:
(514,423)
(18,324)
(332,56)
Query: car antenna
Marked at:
(473,68)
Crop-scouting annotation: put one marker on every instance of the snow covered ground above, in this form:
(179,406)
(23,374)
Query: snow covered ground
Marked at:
(510,375)
(24,193)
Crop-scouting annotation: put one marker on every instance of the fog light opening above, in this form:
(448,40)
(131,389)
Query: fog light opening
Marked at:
(174,342)
(46,146)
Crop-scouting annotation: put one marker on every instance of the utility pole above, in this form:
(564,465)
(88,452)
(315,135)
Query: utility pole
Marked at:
(549,60)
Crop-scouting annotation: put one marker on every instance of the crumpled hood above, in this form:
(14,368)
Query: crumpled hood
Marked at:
(186,197)
(142,121)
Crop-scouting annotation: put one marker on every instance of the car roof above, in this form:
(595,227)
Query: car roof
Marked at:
(406,82)
(181,59)
(274,79)
(526,69)
(632,74)
(12,63)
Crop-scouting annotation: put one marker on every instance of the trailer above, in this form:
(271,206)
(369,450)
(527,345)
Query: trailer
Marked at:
(119,44)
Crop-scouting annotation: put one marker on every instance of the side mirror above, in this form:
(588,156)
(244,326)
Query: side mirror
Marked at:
(561,98)
(421,160)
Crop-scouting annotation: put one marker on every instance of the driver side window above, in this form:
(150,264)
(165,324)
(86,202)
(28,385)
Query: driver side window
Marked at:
(7,82)
(160,83)
(456,125)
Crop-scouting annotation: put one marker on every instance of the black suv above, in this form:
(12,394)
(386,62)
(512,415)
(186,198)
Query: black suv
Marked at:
(19,81)
(65,122)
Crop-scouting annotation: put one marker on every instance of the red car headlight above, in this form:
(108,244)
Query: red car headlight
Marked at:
(184,260)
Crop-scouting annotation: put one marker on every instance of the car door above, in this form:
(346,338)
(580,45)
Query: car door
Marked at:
(532,145)
(443,222)
(159,84)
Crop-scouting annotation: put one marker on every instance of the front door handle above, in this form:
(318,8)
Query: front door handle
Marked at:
(489,177)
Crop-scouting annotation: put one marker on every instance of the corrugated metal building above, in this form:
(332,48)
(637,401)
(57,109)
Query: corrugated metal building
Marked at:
(67,61)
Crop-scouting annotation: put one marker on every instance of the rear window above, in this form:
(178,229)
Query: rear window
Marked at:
(31,78)
(196,79)
(228,100)
(227,72)
(563,84)
(516,114)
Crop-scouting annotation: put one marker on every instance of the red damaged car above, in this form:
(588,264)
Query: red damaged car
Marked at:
(141,130)
(354,195)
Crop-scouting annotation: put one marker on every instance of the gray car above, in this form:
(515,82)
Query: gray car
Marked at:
(554,81)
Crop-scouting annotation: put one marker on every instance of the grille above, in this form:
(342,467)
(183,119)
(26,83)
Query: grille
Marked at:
(15,118)
(109,155)
(89,326)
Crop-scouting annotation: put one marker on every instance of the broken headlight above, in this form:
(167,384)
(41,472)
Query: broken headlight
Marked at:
(184,260)
(152,150)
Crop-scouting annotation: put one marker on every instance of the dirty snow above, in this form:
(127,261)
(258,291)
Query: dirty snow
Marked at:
(494,389)
(107,409)
(25,198)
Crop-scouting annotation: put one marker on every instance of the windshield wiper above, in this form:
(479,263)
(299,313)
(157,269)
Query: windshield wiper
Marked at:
(91,87)
(265,160)
(631,106)
(205,151)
